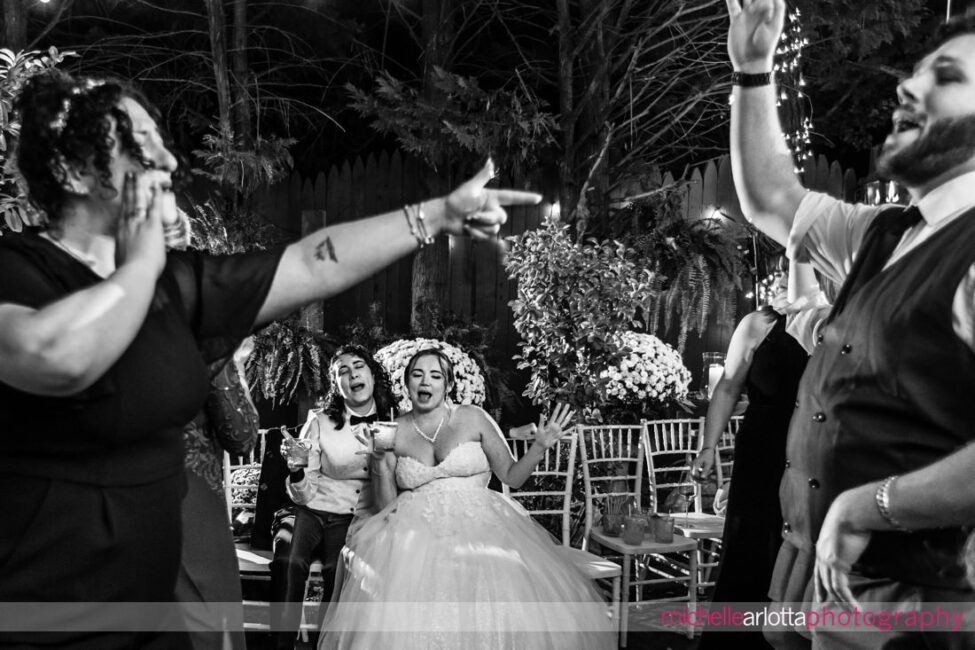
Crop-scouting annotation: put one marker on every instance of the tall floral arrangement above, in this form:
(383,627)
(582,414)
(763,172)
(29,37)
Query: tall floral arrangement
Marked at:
(469,386)
(649,375)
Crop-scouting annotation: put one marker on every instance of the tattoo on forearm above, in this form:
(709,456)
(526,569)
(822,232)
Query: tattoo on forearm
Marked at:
(325,245)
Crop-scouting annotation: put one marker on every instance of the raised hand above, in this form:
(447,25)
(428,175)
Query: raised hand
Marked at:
(139,236)
(477,211)
(754,33)
(547,433)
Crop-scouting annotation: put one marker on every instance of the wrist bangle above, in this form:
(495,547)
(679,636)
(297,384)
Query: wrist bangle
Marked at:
(422,224)
(747,80)
(882,497)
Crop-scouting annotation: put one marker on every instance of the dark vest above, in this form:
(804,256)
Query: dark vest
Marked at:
(888,391)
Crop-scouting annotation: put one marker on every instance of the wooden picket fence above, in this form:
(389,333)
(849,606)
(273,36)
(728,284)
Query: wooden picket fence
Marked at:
(479,288)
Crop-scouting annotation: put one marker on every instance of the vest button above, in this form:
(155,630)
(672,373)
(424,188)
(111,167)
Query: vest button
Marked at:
(819,417)
(786,528)
(814,484)
(846,349)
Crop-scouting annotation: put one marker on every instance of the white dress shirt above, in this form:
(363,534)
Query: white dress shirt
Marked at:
(827,232)
(336,479)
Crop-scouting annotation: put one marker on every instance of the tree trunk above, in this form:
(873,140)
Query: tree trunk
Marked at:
(591,128)
(238,55)
(432,264)
(14,25)
(568,190)
(218,48)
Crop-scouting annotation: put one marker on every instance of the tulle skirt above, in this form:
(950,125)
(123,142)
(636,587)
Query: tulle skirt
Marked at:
(455,565)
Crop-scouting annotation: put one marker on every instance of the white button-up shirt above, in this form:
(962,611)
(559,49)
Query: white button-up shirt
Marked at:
(828,232)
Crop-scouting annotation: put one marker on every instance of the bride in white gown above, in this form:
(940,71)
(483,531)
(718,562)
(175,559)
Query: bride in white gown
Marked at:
(449,563)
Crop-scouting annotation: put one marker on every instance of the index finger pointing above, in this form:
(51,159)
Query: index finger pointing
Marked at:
(516,197)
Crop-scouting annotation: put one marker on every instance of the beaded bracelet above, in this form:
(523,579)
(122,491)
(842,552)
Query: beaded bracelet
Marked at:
(882,497)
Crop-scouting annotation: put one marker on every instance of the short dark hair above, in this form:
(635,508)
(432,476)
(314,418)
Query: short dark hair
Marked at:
(382,391)
(68,120)
(445,365)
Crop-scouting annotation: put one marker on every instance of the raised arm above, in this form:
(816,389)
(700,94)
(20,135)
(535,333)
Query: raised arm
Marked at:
(749,334)
(335,258)
(509,471)
(761,162)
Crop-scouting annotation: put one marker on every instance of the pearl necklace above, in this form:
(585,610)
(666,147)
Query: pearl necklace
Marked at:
(431,439)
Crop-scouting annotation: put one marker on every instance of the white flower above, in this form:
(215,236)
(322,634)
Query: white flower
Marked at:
(651,370)
(469,386)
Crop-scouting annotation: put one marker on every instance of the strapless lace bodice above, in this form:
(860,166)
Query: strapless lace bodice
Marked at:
(465,461)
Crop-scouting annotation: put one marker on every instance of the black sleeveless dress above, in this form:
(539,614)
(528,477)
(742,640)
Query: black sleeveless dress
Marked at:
(753,525)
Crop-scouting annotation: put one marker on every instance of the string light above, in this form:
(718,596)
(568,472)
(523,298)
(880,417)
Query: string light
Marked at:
(791,96)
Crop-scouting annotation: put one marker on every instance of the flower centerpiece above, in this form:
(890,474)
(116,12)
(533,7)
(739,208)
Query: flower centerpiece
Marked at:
(648,377)
(469,385)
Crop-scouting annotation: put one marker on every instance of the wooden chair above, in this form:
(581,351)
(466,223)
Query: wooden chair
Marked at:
(547,496)
(725,450)
(612,468)
(671,447)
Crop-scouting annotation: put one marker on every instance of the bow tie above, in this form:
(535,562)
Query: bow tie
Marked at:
(359,419)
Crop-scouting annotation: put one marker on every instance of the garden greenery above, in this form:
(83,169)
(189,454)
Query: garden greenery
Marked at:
(573,302)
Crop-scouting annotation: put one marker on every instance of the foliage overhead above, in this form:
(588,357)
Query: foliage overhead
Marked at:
(857,53)
(464,120)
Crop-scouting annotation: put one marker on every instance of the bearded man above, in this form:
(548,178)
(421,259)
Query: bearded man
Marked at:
(876,494)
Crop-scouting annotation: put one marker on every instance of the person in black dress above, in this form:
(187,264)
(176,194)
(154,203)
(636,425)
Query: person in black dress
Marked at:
(104,345)
(768,362)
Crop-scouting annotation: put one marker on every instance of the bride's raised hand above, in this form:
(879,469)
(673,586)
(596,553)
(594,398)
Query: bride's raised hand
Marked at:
(548,432)
(476,210)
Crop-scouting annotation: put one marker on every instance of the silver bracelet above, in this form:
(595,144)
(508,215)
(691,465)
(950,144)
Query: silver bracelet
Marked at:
(412,225)
(422,225)
(882,497)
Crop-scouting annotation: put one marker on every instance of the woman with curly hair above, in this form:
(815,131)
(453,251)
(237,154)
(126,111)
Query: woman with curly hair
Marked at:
(333,494)
(104,345)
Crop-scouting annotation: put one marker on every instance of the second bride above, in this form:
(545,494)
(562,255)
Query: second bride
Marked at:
(447,562)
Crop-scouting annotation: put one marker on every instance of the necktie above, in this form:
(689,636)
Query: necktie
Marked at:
(875,250)
(358,419)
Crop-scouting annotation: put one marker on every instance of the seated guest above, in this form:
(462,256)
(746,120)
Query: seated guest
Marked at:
(334,490)
(449,563)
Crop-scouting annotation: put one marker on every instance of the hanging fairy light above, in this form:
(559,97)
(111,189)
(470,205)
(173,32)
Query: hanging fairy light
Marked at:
(792,99)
